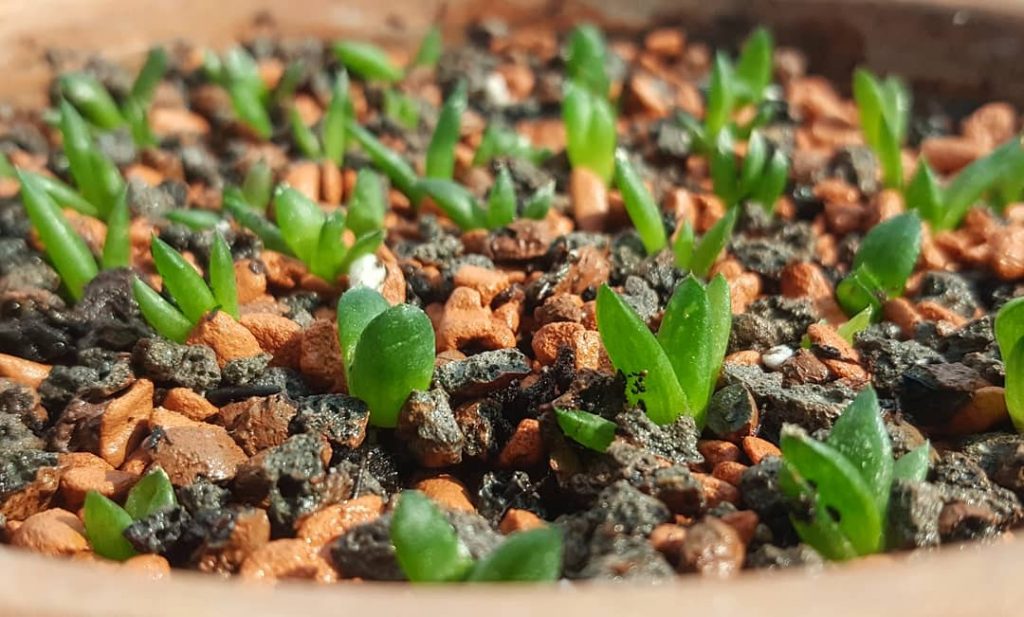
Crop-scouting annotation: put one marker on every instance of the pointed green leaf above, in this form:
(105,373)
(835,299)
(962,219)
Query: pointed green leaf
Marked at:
(501,203)
(64,195)
(586,56)
(181,280)
(754,67)
(333,127)
(426,545)
(222,276)
(90,96)
(386,160)
(971,183)
(532,556)
(587,429)
(712,244)
(857,324)
(117,248)
(721,96)
(303,136)
(105,522)
(455,201)
(682,247)
(246,216)
(150,75)
(860,435)
(368,206)
(160,314)
(441,151)
(913,465)
(820,531)
(153,493)
(431,48)
(538,204)
(258,185)
(367,61)
(300,221)
(640,206)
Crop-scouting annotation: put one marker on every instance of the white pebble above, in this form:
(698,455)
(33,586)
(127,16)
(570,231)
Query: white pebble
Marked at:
(367,271)
(776,356)
(496,90)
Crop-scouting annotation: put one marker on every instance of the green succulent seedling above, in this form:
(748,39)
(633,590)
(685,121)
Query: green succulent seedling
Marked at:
(673,373)
(98,106)
(258,185)
(429,550)
(640,205)
(840,487)
(95,175)
(944,207)
(501,141)
(388,352)
(587,429)
(367,61)
(193,298)
(882,265)
(590,130)
(502,207)
(586,58)
(761,179)
(441,151)
(430,50)
(884,107)
(239,74)
(1009,331)
(699,256)
(402,175)
(105,521)
(401,108)
(730,88)
(329,142)
(855,325)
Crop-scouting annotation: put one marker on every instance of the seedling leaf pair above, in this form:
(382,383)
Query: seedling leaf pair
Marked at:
(884,262)
(466,211)
(105,521)
(884,107)
(699,257)
(761,179)
(674,373)
(1009,331)
(590,130)
(329,145)
(95,174)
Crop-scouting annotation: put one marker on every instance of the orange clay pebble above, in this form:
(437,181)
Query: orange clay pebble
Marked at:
(53,532)
(744,522)
(757,449)
(278,336)
(933,311)
(902,313)
(991,124)
(447,492)
(323,526)
(717,491)
(75,482)
(228,338)
(589,197)
(1007,259)
(250,279)
(24,372)
(466,321)
(716,451)
(585,344)
(950,154)
(525,448)
(153,567)
(189,403)
(287,559)
(667,539)
(519,520)
(486,281)
(729,471)
(320,357)
(122,423)
(172,121)
(748,357)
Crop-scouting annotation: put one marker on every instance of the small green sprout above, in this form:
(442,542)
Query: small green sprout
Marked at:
(105,521)
(401,108)
(585,428)
(258,185)
(856,324)
(6,169)
(586,57)
(403,177)
(761,179)
(884,262)
(96,176)
(368,205)
(945,206)
(699,257)
(66,249)
(1009,331)
(239,74)
(730,88)
(316,238)
(247,216)
(840,487)
(431,48)
(673,373)
(193,297)
(640,206)
(884,107)
(590,130)
(389,352)
(429,550)
(367,61)
(465,210)
(501,202)
(441,152)
(94,101)
(499,141)
(330,143)
(197,220)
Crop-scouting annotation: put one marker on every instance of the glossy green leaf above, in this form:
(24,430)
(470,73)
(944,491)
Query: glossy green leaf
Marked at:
(974,180)
(640,205)
(367,206)
(64,195)
(426,546)
(856,324)
(160,314)
(721,97)
(105,522)
(246,216)
(441,151)
(330,250)
(87,94)
(455,201)
(65,248)
(754,67)
(300,220)
(258,185)
(117,248)
(842,494)
(884,108)
(197,220)
(248,107)
(1015,385)
(889,251)
(431,48)
(682,246)
(333,126)
(860,291)
(356,309)
(394,356)
(772,182)
(724,173)
(498,141)
(925,195)
(386,160)
(635,351)
(150,75)
(817,527)
(153,493)
(532,556)
(367,61)
(913,465)
(860,435)
(181,280)
(303,136)
(585,60)
(590,130)
(78,147)
(222,276)
(109,182)
(538,204)
(712,244)
(720,327)
(1009,325)
(501,202)
(585,428)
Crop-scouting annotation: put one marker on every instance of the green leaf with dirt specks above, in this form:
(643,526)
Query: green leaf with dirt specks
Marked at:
(586,429)
(860,435)
(635,351)
(105,522)
(153,493)
(394,356)
(426,546)
(532,556)
(913,465)
(813,522)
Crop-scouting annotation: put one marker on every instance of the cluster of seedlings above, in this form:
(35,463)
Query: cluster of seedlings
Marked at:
(535,307)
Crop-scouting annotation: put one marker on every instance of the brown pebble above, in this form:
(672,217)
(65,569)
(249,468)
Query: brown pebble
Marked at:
(77,481)
(327,524)
(516,520)
(287,559)
(559,307)
(486,281)
(744,522)
(589,197)
(525,449)
(53,532)
(668,539)
(251,531)
(717,491)
(757,449)
(177,121)
(716,451)
(729,471)
(188,452)
(259,422)
(153,567)
(189,403)
(712,548)
(985,411)
(250,280)
(122,425)
(24,372)
(586,345)
(901,312)
(228,338)
(991,124)
(304,177)
(948,154)
(320,357)
(276,335)
(1007,259)
(465,322)
(447,491)
(933,311)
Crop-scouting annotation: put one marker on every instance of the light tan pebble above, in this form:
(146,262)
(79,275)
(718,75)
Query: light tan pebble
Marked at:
(323,526)
(278,336)
(516,520)
(189,403)
(447,491)
(153,567)
(228,338)
(589,197)
(53,532)
(287,559)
